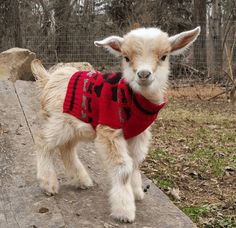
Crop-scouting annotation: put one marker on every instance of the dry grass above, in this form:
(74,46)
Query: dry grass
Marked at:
(197,91)
(194,150)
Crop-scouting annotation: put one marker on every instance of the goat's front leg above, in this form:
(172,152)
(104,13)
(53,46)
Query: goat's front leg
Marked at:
(138,147)
(136,182)
(113,149)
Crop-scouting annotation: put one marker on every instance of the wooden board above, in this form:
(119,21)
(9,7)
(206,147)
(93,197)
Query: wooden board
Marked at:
(21,198)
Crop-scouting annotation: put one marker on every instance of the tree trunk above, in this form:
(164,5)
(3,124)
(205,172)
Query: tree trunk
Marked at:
(46,24)
(200,56)
(62,15)
(10,24)
(216,38)
(17,23)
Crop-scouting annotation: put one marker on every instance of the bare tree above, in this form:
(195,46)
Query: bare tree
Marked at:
(62,12)
(47,17)
(10,23)
(215,29)
(17,23)
(199,17)
(121,12)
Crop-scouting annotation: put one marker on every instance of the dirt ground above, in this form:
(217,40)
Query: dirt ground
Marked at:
(193,155)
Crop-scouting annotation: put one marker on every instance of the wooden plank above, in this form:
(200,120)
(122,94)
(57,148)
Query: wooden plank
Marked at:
(20,197)
(89,208)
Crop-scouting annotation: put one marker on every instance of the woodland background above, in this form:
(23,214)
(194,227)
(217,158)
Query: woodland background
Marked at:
(64,31)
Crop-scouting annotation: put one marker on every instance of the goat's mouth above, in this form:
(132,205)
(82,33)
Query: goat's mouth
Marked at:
(144,83)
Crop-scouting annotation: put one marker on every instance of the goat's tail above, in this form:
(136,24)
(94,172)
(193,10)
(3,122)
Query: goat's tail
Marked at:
(40,73)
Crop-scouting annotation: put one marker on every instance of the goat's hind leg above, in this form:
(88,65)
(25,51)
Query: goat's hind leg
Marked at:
(55,132)
(74,167)
(45,168)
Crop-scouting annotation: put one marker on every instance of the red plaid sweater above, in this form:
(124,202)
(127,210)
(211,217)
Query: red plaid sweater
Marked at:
(107,99)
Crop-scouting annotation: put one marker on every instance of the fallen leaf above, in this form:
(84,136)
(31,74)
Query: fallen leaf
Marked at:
(229,169)
(174,192)
(1,130)
(107,225)
(43,210)
(181,139)
(193,173)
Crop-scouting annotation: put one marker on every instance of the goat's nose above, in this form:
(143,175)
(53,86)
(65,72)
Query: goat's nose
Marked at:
(143,74)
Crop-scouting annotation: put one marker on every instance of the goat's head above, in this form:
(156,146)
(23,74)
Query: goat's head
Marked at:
(145,54)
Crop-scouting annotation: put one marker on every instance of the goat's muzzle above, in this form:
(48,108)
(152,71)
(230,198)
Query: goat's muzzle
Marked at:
(144,77)
(144,74)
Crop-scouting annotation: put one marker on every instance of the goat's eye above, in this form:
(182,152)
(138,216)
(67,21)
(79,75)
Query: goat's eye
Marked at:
(126,59)
(163,58)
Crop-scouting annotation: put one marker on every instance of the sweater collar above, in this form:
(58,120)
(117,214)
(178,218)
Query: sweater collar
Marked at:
(142,103)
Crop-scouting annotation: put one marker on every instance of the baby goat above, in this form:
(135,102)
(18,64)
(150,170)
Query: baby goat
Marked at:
(122,107)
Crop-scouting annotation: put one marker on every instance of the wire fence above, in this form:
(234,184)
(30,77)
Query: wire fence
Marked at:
(75,48)
(64,31)
(80,48)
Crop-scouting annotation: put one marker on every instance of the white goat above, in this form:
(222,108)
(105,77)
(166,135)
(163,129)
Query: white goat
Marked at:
(145,58)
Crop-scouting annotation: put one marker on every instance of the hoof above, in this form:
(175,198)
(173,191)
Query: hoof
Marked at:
(82,183)
(138,194)
(50,188)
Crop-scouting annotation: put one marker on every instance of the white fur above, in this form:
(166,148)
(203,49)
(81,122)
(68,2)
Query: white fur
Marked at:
(75,169)
(146,33)
(138,147)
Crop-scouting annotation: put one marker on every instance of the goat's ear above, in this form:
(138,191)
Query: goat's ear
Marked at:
(180,42)
(112,44)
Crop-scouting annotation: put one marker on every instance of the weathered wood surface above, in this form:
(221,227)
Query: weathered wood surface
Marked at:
(21,198)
